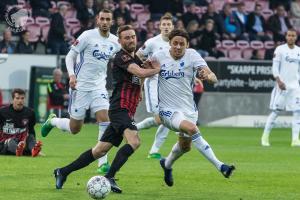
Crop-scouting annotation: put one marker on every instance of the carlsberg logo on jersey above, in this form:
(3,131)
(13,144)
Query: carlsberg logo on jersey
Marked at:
(100,55)
(171,74)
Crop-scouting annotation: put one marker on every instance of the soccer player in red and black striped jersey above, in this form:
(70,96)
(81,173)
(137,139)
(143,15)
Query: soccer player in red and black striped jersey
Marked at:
(128,70)
(17,135)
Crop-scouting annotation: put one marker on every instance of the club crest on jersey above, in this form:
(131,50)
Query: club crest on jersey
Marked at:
(25,122)
(100,55)
(171,74)
(125,57)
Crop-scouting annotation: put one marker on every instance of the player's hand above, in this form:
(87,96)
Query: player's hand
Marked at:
(207,75)
(147,64)
(72,82)
(155,64)
(281,84)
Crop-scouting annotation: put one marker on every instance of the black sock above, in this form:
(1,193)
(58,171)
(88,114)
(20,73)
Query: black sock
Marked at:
(82,161)
(120,159)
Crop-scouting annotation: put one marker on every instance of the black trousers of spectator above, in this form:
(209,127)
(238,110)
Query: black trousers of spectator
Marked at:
(9,146)
(58,47)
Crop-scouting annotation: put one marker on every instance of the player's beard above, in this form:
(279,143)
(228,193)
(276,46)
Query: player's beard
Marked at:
(130,48)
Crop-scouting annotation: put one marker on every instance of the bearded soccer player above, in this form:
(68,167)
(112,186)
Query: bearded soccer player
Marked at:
(88,80)
(17,135)
(286,93)
(179,66)
(127,72)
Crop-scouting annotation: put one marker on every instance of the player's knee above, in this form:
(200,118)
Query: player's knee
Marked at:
(135,143)
(74,130)
(192,129)
(98,152)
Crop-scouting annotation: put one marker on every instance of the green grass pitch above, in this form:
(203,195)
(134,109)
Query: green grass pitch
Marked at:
(262,173)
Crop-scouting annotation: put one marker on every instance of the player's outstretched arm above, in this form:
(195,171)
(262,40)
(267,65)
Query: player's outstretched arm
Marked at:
(206,74)
(141,72)
(70,62)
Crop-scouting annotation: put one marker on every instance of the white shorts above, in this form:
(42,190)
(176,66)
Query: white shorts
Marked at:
(81,101)
(288,100)
(151,95)
(172,119)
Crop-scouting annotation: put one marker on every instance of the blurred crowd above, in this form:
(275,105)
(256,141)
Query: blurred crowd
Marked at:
(233,29)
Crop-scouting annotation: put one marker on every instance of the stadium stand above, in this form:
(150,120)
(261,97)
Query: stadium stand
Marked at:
(232,46)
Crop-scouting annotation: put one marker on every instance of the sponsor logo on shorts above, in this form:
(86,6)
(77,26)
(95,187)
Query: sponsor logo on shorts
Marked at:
(165,113)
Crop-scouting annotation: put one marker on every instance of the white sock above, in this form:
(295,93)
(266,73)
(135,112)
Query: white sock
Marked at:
(173,156)
(270,122)
(160,137)
(296,126)
(102,128)
(61,123)
(201,144)
(146,123)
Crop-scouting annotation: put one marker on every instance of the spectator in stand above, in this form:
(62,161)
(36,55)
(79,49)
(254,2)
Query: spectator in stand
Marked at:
(207,40)
(123,11)
(216,17)
(198,89)
(6,45)
(279,24)
(85,25)
(41,8)
(273,4)
(258,54)
(88,12)
(194,33)
(179,24)
(176,8)
(150,29)
(158,8)
(57,90)
(3,7)
(231,25)
(101,5)
(120,21)
(57,37)
(241,17)
(295,12)
(190,14)
(256,25)
(24,46)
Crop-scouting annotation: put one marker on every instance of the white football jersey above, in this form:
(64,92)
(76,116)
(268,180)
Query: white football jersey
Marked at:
(94,53)
(153,45)
(286,65)
(176,80)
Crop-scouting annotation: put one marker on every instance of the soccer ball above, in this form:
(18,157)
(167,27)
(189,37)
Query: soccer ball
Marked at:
(98,187)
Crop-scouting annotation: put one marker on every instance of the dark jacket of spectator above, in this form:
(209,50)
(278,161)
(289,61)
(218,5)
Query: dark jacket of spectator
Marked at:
(275,26)
(40,7)
(251,23)
(23,47)
(88,12)
(56,91)
(123,11)
(219,27)
(57,29)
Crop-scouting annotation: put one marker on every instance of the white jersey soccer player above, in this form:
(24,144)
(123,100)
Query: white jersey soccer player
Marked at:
(177,109)
(286,93)
(93,49)
(152,45)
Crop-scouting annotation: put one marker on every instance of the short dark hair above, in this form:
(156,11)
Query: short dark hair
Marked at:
(292,30)
(179,32)
(124,28)
(17,91)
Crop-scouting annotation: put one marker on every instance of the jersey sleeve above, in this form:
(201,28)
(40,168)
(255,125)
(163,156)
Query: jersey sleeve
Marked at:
(123,61)
(276,62)
(197,60)
(80,43)
(146,50)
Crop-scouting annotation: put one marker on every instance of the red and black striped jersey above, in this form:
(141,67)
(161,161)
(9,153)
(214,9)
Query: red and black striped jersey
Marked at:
(127,87)
(16,124)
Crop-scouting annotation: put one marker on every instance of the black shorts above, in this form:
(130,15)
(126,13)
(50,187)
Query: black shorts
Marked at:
(119,121)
